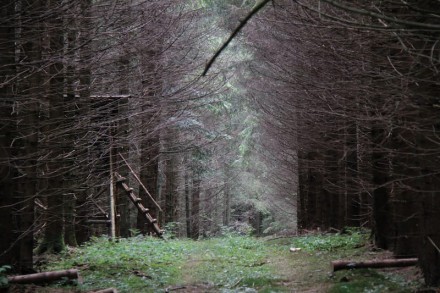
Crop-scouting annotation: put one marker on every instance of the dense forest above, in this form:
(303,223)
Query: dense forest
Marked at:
(318,115)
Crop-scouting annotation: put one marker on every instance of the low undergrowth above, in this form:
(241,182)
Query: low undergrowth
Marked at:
(229,264)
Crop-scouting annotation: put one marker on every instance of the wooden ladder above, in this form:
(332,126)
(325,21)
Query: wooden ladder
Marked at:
(120,182)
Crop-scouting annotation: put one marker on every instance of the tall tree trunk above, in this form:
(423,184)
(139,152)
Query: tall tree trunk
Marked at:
(27,126)
(381,206)
(227,195)
(82,230)
(8,251)
(121,140)
(148,176)
(150,139)
(195,206)
(53,239)
(188,189)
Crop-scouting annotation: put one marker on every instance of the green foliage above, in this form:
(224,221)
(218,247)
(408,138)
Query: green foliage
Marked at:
(236,229)
(143,264)
(227,264)
(352,239)
(234,262)
(3,277)
(371,281)
(171,230)
(134,232)
(128,264)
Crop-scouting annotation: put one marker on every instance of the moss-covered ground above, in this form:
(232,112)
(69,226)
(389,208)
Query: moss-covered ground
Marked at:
(229,264)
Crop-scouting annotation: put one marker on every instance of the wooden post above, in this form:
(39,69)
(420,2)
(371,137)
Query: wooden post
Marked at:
(112,233)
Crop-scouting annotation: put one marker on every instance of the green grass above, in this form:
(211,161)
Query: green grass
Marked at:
(233,262)
(131,265)
(228,264)
(150,265)
(371,281)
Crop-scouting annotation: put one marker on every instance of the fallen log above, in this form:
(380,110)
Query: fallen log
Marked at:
(44,277)
(384,263)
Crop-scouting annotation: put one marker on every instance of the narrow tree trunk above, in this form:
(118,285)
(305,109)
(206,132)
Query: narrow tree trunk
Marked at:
(188,189)
(195,206)
(227,195)
(69,219)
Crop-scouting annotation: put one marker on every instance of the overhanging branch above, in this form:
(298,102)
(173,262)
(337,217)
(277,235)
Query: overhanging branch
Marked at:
(234,33)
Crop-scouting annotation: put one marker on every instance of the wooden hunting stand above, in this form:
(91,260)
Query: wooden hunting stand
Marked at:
(137,201)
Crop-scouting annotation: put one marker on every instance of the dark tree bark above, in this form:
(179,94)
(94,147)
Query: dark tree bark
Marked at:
(381,206)
(188,189)
(53,239)
(195,205)
(148,176)
(82,230)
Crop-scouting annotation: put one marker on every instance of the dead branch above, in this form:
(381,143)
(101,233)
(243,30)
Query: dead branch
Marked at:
(254,11)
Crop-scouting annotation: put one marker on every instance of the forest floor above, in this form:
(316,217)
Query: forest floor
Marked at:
(228,264)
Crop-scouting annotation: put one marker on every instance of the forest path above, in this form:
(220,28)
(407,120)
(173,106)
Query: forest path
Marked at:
(264,266)
(229,264)
(268,265)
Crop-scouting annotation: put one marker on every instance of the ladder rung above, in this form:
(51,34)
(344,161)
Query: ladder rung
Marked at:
(137,201)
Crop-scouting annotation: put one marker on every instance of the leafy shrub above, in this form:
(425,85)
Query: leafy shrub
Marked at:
(352,239)
(3,277)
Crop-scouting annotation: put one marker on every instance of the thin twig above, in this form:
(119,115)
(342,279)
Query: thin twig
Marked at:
(234,33)
(236,283)
(433,244)
(140,182)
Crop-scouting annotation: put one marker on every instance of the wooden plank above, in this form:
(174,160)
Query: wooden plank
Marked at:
(140,183)
(137,202)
